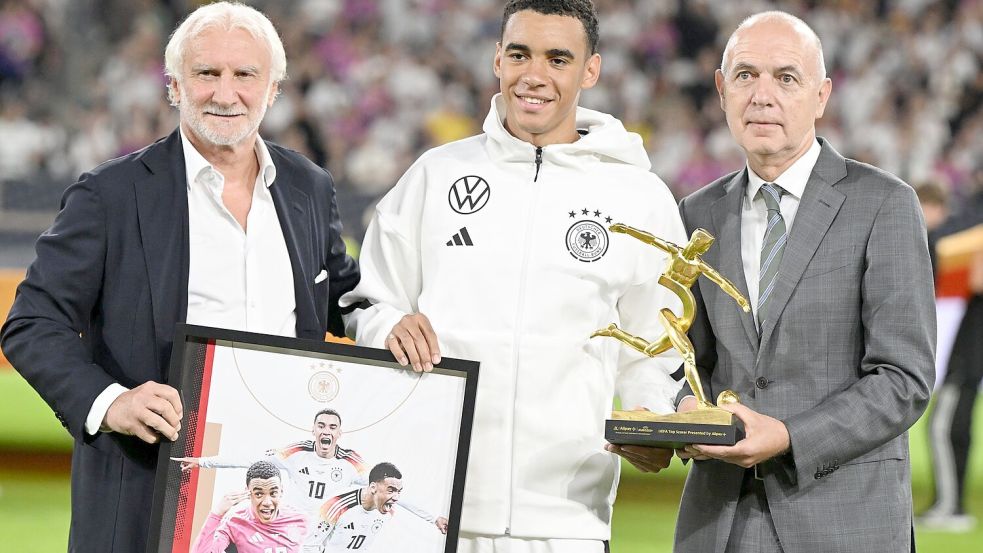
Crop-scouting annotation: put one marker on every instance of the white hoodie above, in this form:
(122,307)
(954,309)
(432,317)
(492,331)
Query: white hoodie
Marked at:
(514,267)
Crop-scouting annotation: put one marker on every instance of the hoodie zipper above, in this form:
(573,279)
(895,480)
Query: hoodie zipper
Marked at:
(517,333)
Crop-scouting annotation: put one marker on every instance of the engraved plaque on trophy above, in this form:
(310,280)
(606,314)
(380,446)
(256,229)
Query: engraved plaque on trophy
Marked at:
(707,424)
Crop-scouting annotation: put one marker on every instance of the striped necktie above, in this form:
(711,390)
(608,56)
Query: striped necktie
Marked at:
(772,248)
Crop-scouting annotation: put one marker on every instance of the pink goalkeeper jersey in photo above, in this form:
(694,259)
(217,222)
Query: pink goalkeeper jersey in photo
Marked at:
(284,534)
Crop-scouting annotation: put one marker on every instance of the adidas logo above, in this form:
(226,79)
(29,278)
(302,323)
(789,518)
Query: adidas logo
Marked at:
(304,471)
(351,526)
(461,238)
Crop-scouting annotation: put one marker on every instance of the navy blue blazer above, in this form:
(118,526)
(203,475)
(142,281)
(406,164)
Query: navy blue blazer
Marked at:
(100,303)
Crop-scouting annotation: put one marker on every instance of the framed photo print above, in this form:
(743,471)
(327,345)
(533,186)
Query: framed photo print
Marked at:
(292,445)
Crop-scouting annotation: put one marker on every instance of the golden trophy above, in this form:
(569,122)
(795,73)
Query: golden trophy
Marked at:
(707,424)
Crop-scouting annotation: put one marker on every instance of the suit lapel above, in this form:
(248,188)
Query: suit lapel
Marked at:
(293,209)
(162,214)
(817,210)
(726,213)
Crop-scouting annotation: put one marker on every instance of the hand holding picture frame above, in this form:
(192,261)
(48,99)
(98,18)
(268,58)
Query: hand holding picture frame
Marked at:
(296,445)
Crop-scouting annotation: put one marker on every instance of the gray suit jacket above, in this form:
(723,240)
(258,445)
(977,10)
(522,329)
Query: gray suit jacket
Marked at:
(846,362)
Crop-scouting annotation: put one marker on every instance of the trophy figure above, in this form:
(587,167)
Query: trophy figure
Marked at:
(708,423)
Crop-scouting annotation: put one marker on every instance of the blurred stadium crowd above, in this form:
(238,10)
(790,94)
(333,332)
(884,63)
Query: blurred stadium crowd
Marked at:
(373,83)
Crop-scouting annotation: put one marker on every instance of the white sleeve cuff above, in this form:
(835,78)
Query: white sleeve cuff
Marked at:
(97,413)
(684,399)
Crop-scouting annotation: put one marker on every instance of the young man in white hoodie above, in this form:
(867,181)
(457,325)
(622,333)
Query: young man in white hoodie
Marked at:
(495,248)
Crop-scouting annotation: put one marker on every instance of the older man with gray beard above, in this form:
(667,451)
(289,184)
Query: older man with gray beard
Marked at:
(210,225)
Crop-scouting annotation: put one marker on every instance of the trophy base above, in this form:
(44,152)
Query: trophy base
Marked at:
(673,431)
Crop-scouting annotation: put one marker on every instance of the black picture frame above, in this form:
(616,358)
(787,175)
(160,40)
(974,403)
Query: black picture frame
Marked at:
(244,398)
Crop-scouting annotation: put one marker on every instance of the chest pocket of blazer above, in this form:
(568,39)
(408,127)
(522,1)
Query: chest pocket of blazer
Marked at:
(835,259)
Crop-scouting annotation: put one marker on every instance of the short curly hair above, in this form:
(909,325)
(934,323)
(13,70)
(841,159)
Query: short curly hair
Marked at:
(263,470)
(583,10)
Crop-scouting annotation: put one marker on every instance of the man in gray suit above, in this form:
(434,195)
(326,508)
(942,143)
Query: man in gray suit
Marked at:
(837,359)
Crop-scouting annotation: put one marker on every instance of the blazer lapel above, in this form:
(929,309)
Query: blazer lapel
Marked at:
(726,214)
(162,214)
(293,209)
(819,206)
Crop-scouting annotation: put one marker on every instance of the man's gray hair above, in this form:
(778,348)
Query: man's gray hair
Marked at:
(800,26)
(226,16)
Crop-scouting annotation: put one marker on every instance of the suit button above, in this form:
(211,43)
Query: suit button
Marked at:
(761,382)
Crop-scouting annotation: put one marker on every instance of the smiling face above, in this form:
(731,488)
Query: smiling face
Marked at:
(385,493)
(542,64)
(224,88)
(772,94)
(327,431)
(264,496)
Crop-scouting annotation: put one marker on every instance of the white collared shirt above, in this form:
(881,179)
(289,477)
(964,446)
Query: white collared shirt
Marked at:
(754,214)
(238,279)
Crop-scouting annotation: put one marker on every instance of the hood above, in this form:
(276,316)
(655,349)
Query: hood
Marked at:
(605,139)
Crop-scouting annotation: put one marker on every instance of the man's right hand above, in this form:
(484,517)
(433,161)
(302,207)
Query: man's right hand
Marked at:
(976,273)
(413,341)
(688,404)
(188,463)
(149,411)
(228,501)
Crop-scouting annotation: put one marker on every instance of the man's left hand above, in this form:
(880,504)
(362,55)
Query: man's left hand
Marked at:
(765,437)
(645,459)
(441,523)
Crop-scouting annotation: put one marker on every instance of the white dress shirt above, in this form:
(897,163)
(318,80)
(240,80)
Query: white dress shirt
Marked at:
(238,279)
(754,214)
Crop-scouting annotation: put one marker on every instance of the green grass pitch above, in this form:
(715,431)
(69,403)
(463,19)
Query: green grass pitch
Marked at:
(34,503)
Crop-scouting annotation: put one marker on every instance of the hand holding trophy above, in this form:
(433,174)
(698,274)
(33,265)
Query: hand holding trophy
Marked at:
(707,424)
